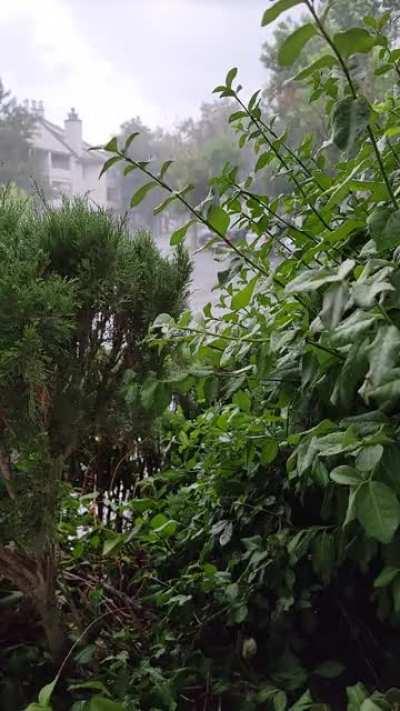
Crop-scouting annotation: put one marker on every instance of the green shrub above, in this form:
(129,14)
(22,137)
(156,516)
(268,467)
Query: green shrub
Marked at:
(272,538)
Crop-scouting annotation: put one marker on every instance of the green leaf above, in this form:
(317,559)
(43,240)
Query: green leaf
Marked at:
(240,614)
(304,702)
(140,194)
(253,100)
(86,654)
(110,162)
(46,692)
(346,228)
(130,139)
(112,544)
(292,46)
(351,375)
(269,451)
(263,160)
(350,119)
(243,400)
(164,204)
(167,164)
(384,227)
(339,191)
(218,219)
(330,670)
(370,705)
(158,520)
(162,526)
(100,703)
(112,145)
(353,326)
(334,304)
(348,476)
(179,235)
(277,8)
(323,556)
(353,41)
(389,467)
(96,685)
(226,533)
(327,60)
(365,291)
(232,592)
(279,700)
(356,695)
(387,395)
(383,354)
(148,393)
(230,77)
(129,169)
(369,458)
(311,279)
(386,576)
(141,505)
(392,132)
(351,508)
(396,596)
(243,297)
(167,529)
(378,510)
(237,115)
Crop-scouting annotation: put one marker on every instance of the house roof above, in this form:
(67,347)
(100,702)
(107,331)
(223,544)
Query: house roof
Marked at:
(53,137)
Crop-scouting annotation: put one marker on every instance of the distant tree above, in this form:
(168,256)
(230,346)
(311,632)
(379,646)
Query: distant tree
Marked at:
(344,14)
(200,146)
(285,99)
(17,158)
(150,144)
(206,145)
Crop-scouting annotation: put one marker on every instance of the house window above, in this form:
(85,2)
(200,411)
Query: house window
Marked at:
(60,161)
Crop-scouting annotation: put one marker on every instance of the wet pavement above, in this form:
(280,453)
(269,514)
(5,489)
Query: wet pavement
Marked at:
(206,265)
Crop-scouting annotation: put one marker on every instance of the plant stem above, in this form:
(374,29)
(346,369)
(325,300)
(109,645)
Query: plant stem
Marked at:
(347,74)
(382,167)
(293,155)
(195,213)
(284,163)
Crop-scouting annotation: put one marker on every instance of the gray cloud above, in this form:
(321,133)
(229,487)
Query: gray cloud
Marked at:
(114,60)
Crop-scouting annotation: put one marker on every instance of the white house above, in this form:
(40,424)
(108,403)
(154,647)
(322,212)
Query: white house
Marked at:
(65,161)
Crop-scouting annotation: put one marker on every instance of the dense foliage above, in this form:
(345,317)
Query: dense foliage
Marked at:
(78,296)
(301,112)
(260,568)
(200,148)
(17,125)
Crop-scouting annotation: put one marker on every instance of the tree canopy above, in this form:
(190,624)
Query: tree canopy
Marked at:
(257,565)
(17,160)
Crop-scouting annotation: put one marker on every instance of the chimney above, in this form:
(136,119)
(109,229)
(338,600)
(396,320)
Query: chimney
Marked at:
(37,108)
(73,131)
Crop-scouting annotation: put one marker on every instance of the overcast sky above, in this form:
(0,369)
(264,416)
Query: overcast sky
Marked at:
(115,59)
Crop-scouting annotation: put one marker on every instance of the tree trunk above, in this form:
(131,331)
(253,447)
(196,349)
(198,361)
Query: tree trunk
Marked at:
(53,628)
(35,577)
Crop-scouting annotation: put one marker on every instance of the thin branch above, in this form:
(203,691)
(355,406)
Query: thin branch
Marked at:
(284,164)
(195,213)
(347,74)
